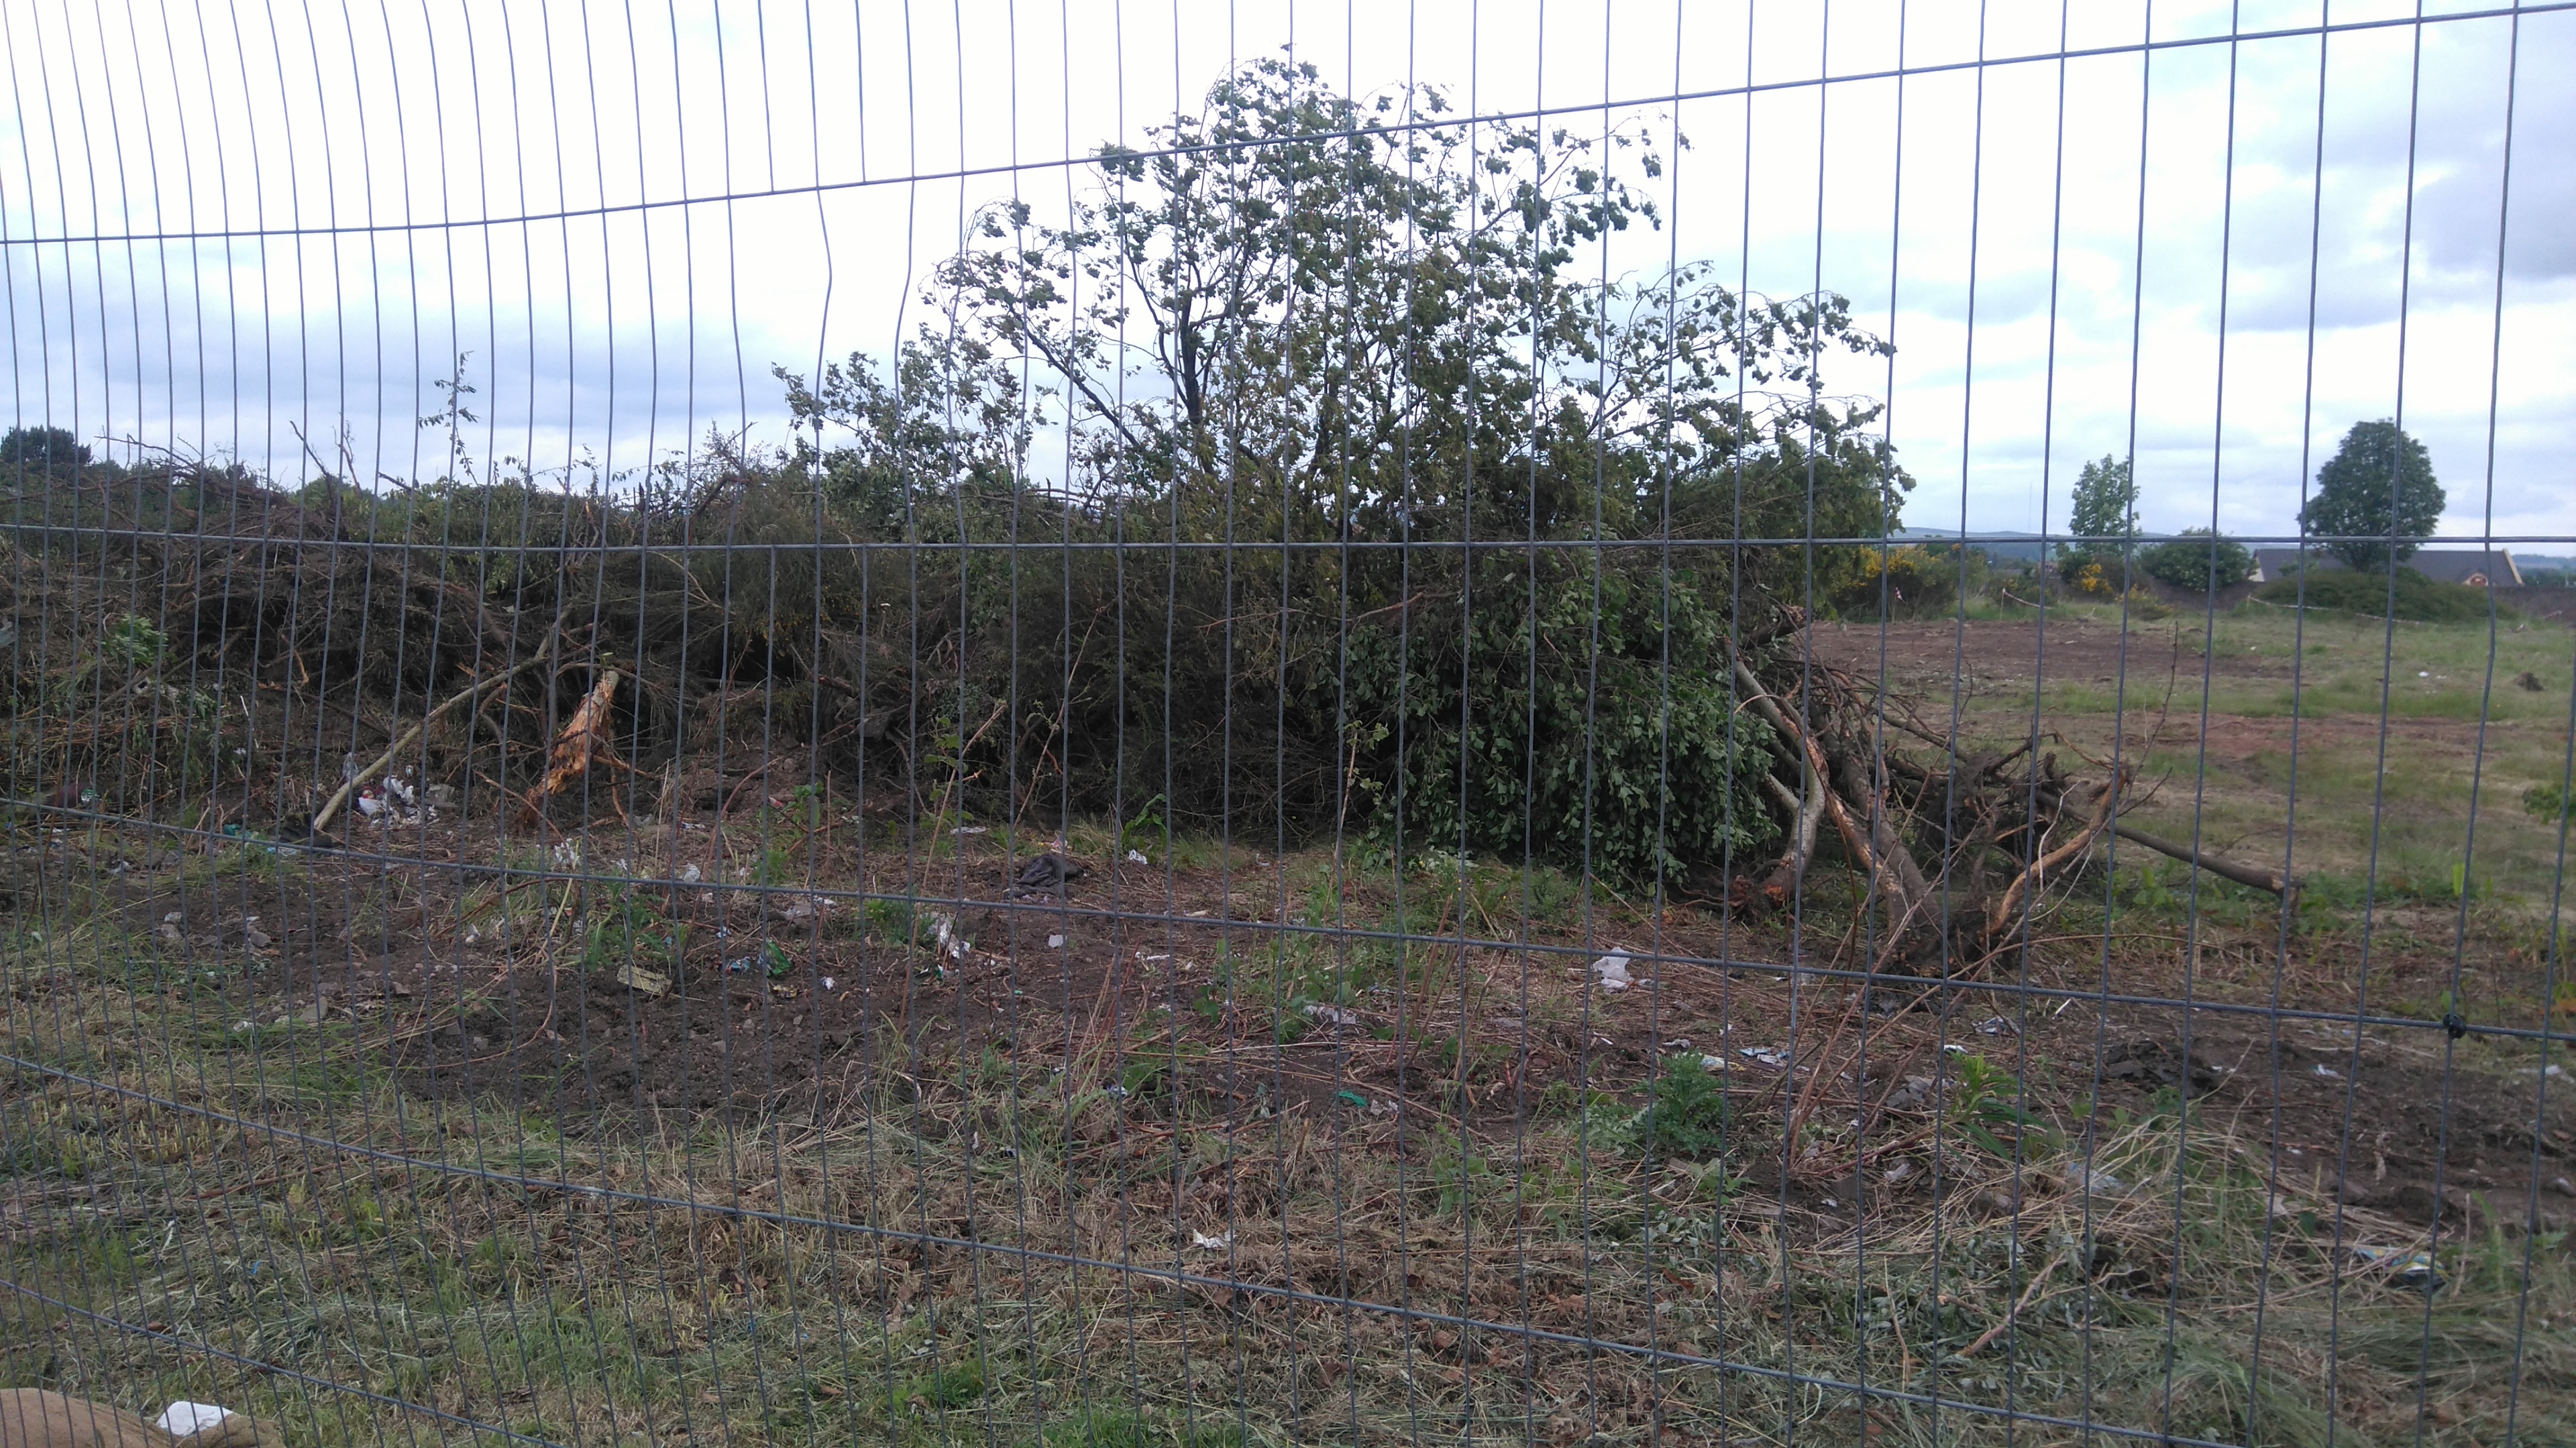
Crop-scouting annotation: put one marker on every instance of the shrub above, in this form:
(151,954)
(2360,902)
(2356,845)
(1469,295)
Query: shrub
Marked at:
(2091,578)
(2198,559)
(2410,596)
(1914,579)
(2546,803)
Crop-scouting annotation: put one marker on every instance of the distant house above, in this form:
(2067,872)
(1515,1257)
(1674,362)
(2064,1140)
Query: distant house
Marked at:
(2476,567)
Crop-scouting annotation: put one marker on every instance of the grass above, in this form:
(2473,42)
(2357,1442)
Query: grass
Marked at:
(2391,804)
(185,1183)
(808,1275)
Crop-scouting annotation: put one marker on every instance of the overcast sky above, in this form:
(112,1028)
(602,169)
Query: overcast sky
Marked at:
(621,285)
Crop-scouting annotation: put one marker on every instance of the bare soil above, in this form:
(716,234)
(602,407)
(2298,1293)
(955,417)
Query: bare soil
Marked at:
(2405,1121)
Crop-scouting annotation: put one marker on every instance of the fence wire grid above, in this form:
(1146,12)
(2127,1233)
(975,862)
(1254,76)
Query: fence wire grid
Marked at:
(1611,722)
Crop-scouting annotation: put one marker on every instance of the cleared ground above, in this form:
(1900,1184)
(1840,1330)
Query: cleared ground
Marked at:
(835,1138)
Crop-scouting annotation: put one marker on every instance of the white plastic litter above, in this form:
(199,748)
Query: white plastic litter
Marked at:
(1712,1063)
(1055,942)
(691,875)
(1206,1243)
(1611,972)
(2099,1183)
(943,929)
(1137,857)
(828,982)
(1773,1056)
(1323,1014)
(2329,1072)
(183,1418)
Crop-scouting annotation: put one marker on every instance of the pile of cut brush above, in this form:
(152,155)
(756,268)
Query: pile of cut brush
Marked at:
(192,644)
(190,641)
(1960,845)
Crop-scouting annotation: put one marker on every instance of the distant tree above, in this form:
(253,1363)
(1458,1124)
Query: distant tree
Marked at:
(2106,512)
(2377,490)
(2198,559)
(49,451)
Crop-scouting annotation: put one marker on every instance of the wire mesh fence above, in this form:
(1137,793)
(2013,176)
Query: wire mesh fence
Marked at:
(1483,722)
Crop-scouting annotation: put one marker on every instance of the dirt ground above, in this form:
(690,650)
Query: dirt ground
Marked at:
(1130,966)
(1125,971)
(1200,1029)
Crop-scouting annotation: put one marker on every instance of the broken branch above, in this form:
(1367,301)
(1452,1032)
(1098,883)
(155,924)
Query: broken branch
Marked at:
(476,690)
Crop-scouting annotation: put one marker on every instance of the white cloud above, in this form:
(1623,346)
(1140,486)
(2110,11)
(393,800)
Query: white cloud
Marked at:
(629,333)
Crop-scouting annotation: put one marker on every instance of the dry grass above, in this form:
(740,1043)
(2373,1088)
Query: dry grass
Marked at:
(1010,1246)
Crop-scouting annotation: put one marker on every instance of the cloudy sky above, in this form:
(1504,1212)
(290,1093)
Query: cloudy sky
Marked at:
(2122,234)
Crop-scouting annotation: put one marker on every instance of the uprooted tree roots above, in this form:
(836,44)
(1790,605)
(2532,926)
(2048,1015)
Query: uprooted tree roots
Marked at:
(1958,845)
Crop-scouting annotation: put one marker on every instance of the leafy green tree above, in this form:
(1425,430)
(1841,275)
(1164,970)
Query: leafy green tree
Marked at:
(2377,493)
(2106,514)
(46,451)
(1305,319)
(2198,559)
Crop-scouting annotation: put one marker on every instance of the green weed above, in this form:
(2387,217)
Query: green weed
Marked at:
(1685,1117)
(1987,1109)
(625,929)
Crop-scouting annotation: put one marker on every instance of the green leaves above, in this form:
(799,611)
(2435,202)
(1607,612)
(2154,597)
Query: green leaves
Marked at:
(2105,516)
(2198,559)
(1307,319)
(1986,1108)
(1685,1117)
(1572,719)
(2378,494)
(2546,803)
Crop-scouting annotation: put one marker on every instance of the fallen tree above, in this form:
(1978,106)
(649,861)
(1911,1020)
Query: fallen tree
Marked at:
(1957,842)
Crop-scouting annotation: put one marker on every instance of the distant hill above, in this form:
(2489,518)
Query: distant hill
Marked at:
(2018,547)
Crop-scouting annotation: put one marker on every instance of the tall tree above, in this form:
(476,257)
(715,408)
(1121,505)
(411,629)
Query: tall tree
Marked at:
(2106,517)
(1314,319)
(48,451)
(2377,494)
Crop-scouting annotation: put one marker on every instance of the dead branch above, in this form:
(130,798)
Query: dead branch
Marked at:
(2000,915)
(584,739)
(476,690)
(2219,865)
(2257,877)
(1805,816)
